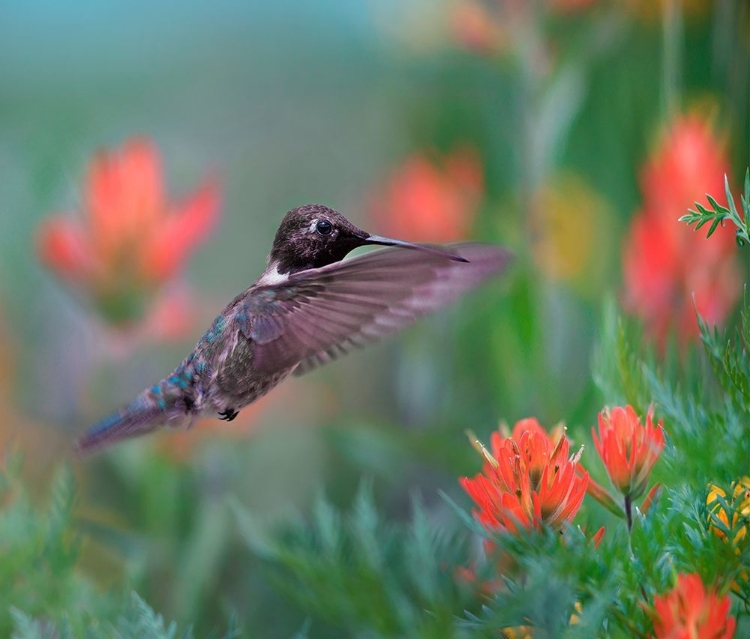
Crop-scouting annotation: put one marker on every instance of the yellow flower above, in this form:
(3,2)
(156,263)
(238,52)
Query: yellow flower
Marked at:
(519,632)
(739,506)
(527,632)
(574,618)
(571,225)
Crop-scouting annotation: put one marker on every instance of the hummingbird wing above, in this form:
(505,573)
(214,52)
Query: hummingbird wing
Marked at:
(319,314)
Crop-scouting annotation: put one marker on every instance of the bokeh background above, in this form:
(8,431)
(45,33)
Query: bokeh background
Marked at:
(548,126)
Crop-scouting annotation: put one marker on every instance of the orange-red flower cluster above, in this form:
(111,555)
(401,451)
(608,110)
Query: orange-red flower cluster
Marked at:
(429,202)
(130,239)
(527,480)
(628,448)
(669,270)
(688,612)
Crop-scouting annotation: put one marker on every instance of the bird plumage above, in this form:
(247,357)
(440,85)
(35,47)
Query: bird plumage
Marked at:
(306,309)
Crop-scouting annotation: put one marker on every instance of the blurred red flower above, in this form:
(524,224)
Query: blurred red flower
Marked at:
(130,239)
(669,270)
(689,611)
(529,479)
(430,203)
(628,448)
(491,27)
(474,27)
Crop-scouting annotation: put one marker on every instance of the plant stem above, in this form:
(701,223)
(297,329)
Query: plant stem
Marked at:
(629,511)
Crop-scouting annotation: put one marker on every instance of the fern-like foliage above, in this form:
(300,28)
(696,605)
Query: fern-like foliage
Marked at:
(42,593)
(718,214)
(38,555)
(362,576)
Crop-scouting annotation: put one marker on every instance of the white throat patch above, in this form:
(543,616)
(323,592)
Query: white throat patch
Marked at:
(271,276)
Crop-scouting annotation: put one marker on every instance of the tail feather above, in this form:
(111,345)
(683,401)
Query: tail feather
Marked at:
(138,418)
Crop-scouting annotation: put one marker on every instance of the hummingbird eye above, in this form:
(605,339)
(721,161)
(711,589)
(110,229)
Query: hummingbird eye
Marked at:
(324,227)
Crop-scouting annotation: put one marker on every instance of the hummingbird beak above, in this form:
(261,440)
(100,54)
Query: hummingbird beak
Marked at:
(435,250)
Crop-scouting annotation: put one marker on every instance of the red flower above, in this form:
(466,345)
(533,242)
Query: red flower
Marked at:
(527,482)
(669,270)
(498,438)
(628,449)
(130,240)
(427,203)
(598,536)
(476,28)
(689,611)
(488,28)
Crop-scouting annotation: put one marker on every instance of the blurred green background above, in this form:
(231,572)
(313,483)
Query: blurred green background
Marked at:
(298,102)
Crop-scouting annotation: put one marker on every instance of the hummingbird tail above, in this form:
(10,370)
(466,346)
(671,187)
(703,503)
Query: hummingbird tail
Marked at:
(137,418)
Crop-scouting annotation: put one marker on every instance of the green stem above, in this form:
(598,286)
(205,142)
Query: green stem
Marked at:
(671,57)
(629,511)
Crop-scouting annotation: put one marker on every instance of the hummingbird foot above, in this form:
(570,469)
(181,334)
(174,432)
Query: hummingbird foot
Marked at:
(228,414)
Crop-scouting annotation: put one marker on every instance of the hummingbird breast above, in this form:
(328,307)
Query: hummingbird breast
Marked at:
(235,381)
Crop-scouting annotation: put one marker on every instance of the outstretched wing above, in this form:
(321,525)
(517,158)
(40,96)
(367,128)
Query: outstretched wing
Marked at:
(320,314)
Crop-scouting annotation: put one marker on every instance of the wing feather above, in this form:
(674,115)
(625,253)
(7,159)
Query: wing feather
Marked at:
(319,314)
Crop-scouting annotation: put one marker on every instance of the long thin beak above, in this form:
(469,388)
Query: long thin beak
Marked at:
(435,250)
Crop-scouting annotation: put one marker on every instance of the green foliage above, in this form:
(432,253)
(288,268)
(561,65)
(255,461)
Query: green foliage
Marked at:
(136,619)
(42,592)
(718,213)
(550,573)
(729,358)
(618,362)
(38,556)
(366,577)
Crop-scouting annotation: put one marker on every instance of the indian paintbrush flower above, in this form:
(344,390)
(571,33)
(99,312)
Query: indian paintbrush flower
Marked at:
(432,199)
(492,28)
(669,271)
(628,448)
(689,611)
(528,480)
(130,239)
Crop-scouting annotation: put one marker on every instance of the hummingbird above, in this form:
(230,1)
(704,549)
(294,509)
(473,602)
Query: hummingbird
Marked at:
(309,306)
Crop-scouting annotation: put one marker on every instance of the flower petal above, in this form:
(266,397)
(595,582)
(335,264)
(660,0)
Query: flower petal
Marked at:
(124,195)
(62,246)
(166,250)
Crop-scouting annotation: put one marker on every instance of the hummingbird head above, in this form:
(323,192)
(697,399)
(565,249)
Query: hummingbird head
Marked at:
(314,235)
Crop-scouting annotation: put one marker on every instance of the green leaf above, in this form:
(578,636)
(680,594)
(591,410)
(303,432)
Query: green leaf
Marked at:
(718,208)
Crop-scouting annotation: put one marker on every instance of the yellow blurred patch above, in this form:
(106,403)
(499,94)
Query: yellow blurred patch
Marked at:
(571,230)
(653,10)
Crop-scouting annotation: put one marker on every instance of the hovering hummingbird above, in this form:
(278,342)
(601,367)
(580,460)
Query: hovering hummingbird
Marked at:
(306,308)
